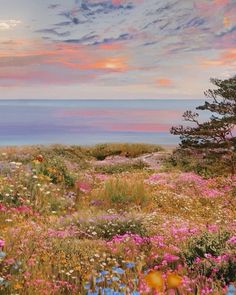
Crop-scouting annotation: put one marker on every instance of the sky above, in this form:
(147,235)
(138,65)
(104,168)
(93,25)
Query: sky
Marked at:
(115,49)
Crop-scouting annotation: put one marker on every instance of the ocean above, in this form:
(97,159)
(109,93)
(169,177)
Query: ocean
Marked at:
(87,122)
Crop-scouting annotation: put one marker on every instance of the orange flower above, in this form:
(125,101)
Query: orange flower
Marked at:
(39,158)
(173,280)
(154,280)
(17,286)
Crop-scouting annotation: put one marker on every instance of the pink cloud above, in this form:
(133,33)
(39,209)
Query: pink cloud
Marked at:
(57,63)
(226,57)
(148,127)
(15,77)
(206,7)
(164,82)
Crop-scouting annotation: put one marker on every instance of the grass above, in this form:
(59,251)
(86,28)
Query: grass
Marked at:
(121,167)
(118,192)
(68,226)
(101,151)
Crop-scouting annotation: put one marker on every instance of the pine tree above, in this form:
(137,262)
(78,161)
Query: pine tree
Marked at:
(217,135)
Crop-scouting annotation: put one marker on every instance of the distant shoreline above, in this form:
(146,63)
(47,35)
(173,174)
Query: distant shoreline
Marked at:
(102,99)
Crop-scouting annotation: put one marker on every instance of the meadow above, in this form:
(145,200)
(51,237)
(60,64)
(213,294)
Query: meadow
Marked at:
(101,220)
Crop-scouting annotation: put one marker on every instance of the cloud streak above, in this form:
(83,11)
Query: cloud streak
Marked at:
(9,24)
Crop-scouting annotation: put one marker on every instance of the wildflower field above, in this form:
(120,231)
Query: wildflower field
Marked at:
(73,220)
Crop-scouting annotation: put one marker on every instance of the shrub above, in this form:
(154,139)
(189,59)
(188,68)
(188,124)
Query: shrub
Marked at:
(106,228)
(121,167)
(226,270)
(221,268)
(207,243)
(101,151)
(57,171)
(187,160)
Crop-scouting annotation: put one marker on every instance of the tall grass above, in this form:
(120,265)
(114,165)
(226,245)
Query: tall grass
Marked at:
(120,192)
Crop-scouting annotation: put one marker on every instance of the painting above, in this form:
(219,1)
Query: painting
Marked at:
(117,147)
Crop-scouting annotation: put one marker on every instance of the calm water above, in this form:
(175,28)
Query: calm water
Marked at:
(90,122)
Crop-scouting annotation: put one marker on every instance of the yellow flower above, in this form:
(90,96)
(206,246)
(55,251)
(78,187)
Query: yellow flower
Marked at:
(51,170)
(173,280)
(154,280)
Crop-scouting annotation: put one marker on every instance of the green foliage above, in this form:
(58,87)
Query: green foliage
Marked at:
(121,167)
(10,199)
(226,271)
(214,138)
(57,171)
(101,151)
(108,228)
(74,153)
(187,160)
(223,270)
(207,243)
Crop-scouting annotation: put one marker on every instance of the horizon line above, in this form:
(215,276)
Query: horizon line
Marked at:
(96,99)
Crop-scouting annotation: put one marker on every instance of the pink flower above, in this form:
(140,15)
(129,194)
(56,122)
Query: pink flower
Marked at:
(2,243)
(83,186)
(10,261)
(197,260)
(170,257)
(207,255)
(210,192)
(232,240)
(3,208)
(23,209)
(212,227)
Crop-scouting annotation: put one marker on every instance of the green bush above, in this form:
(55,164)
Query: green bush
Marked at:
(110,227)
(101,151)
(121,167)
(205,165)
(223,270)
(226,270)
(207,243)
(10,199)
(57,171)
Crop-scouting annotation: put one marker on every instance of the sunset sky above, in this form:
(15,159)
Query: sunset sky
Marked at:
(115,49)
